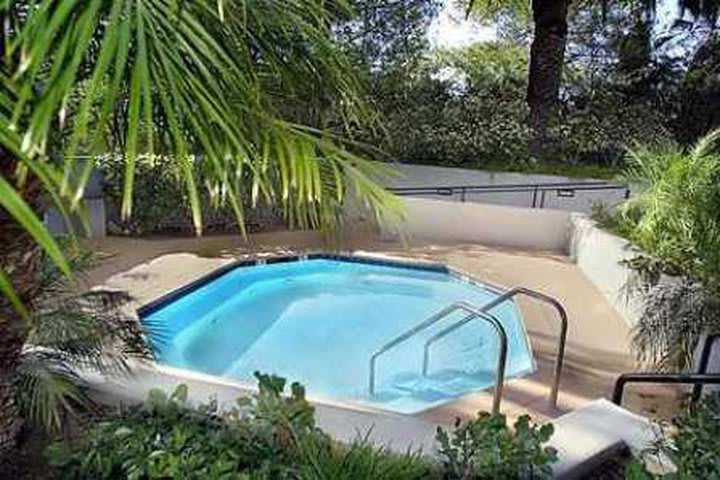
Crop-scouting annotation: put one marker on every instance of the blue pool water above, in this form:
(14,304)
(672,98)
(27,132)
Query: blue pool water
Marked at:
(318,322)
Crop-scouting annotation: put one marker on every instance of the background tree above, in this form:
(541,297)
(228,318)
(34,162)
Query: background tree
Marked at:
(547,55)
(550,38)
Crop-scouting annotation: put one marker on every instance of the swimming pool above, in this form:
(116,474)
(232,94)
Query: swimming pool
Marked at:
(318,321)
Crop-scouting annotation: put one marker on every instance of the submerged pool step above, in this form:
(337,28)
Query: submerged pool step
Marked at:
(447,383)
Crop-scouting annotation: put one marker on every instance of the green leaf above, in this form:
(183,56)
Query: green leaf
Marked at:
(7,290)
(13,203)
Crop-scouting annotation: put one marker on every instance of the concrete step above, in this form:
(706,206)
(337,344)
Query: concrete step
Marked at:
(587,437)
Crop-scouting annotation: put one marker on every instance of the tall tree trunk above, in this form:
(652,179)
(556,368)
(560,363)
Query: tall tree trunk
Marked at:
(20,258)
(547,56)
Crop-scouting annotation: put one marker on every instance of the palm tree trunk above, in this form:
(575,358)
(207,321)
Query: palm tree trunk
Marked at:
(20,259)
(547,55)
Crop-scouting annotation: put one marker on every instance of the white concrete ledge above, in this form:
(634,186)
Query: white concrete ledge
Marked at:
(592,434)
(600,256)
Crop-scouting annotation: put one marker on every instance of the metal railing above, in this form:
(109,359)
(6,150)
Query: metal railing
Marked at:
(475,314)
(696,379)
(538,190)
(560,354)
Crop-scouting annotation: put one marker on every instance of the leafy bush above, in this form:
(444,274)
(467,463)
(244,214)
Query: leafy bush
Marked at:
(675,221)
(272,435)
(467,108)
(460,108)
(486,448)
(676,215)
(269,436)
(161,201)
(693,447)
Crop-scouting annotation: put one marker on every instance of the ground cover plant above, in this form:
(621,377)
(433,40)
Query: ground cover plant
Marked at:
(691,442)
(273,434)
(266,436)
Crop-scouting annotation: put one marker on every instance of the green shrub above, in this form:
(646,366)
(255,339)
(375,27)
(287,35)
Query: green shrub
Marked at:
(268,435)
(467,108)
(272,435)
(674,220)
(693,448)
(676,214)
(361,459)
(161,202)
(486,448)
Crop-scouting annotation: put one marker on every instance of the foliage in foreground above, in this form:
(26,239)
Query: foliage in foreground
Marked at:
(487,448)
(272,435)
(693,447)
(267,436)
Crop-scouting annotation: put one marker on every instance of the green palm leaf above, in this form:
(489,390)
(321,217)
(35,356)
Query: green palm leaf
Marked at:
(204,84)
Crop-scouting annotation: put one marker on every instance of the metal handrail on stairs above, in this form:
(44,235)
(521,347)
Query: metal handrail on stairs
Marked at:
(494,303)
(473,313)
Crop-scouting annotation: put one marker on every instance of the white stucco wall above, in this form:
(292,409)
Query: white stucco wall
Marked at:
(447,221)
(599,254)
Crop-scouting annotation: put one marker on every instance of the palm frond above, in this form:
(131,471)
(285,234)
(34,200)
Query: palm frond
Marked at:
(206,85)
(186,83)
(92,330)
(675,314)
(72,333)
(48,389)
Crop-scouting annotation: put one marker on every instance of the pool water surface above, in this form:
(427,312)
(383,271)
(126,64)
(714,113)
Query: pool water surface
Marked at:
(318,321)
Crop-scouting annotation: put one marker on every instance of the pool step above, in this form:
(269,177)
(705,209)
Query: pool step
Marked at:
(448,383)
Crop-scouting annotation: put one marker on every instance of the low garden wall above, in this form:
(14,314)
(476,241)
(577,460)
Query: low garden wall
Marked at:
(410,175)
(600,255)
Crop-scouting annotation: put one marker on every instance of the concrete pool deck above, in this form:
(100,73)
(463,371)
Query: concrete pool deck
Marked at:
(598,347)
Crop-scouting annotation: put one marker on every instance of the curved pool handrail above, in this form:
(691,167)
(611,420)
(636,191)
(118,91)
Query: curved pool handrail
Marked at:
(560,355)
(474,313)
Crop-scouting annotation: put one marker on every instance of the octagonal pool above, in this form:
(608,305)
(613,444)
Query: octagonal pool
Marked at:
(319,319)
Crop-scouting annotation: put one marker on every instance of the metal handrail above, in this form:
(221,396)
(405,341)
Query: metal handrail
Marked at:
(474,313)
(494,303)
(673,378)
(698,379)
(534,188)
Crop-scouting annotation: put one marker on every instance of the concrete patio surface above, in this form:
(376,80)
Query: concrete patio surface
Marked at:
(598,347)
